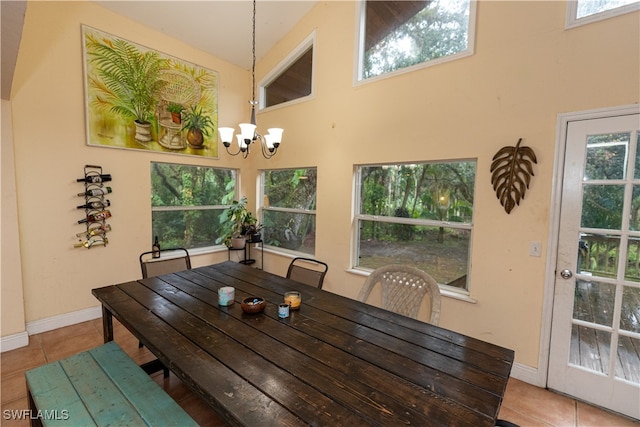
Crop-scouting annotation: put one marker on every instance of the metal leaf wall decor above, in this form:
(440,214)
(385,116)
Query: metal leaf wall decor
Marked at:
(512,169)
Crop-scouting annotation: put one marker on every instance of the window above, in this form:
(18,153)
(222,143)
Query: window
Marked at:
(585,11)
(417,214)
(399,34)
(292,79)
(289,209)
(186,202)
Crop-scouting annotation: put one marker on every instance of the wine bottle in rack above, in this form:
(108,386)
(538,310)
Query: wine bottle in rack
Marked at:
(96,231)
(91,242)
(95,178)
(95,217)
(97,204)
(94,192)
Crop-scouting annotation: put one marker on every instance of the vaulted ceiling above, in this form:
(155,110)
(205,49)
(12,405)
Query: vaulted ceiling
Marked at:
(222,28)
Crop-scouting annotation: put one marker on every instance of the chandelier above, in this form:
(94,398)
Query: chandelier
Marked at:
(270,142)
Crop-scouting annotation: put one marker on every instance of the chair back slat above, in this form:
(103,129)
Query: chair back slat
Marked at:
(170,261)
(403,290)
(308,271)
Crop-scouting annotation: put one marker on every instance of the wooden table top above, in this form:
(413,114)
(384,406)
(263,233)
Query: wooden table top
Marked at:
(336,361)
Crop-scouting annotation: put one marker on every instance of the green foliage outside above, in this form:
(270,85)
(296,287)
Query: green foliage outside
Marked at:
(400,197)
(438,30)
(289,209)
(607,164)
(187,202)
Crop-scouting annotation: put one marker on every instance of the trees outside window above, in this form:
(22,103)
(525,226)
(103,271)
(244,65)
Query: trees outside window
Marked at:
(417,214)
(401,34)
(186,202)
(288,209)
(581,12)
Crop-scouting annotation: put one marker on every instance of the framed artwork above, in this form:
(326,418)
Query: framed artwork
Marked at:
(138,98)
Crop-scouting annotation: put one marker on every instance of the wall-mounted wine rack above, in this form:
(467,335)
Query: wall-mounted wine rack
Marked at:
(94,207)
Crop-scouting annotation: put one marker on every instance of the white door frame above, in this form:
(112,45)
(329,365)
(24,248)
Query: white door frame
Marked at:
(554,226)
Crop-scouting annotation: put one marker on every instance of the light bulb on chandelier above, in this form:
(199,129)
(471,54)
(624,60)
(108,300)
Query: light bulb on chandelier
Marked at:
(270,142)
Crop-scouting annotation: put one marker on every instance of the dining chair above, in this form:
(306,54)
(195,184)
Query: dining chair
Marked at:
(403,289)
(170,261)
(308,271)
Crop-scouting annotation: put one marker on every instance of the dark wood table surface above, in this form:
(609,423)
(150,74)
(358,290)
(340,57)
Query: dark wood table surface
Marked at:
(336,361)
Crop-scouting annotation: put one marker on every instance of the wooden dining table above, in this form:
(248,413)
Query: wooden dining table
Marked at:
(333,362)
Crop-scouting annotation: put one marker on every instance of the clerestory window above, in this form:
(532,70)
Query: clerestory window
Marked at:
(395,35)
(581,12)
(292,79)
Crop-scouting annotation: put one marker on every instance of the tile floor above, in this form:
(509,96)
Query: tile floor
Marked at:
(523,404)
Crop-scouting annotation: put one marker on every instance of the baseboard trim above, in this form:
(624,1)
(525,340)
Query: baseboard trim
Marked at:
(62,320)
(11,342)
(528,375)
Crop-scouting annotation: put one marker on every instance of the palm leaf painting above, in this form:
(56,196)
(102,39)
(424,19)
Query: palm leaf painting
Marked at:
(511,172)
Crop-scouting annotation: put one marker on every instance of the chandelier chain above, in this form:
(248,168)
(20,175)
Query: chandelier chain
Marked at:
(253,66)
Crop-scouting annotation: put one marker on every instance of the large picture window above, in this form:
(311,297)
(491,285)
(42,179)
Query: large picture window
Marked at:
(186,202)
(400,34)
(289,209)
(417,214)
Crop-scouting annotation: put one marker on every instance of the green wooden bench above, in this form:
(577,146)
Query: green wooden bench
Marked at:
(100,387)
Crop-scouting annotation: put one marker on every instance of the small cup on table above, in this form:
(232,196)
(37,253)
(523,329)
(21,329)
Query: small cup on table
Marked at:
(293,298)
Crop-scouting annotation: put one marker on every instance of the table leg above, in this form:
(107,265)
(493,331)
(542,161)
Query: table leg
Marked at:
(107,325)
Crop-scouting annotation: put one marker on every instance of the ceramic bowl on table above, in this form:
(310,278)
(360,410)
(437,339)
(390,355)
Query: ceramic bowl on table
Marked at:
(253,305)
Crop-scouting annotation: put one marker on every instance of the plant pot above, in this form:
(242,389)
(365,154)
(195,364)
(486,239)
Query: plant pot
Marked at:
(175,117)
(195,138)
(143,131)
(238,242)
(255,237)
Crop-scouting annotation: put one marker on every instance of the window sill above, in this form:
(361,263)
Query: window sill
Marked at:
(460,296)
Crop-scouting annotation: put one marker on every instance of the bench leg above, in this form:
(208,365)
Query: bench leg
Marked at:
(33,411)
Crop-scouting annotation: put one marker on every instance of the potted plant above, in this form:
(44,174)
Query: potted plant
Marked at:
(232,224)
(251,229)
(197,124)
(175,110)
(130,81)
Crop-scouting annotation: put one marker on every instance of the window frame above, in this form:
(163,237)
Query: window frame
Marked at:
(290,59)
(458,293)
(572,21)
(213,245)
(359,47)
(262,209)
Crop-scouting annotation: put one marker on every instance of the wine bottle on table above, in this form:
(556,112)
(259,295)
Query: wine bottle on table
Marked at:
(95,179)
(98,204)
(155,249)
(95,217)
(96,192)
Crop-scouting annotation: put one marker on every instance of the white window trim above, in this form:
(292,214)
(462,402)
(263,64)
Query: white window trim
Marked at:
(261,208)
(460,294)
(294,55)
(572,11)
(359,48)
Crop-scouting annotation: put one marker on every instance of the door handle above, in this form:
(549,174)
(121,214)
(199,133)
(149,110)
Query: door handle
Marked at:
(566,274)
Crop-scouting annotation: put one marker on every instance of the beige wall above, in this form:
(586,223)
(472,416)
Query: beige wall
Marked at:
(11,295)
(526,70)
